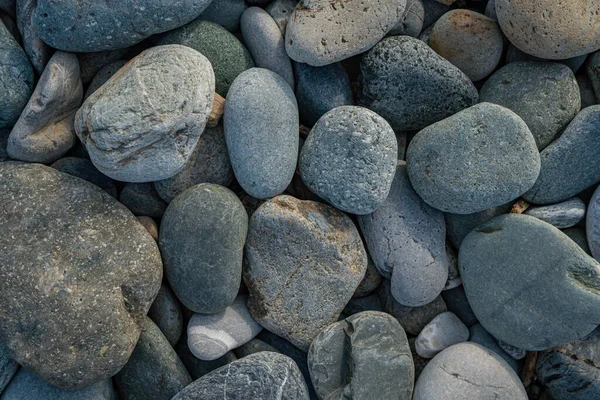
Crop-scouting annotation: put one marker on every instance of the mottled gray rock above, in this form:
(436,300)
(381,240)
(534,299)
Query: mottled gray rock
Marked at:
(365,356)
(571,163)
(264,376)
(87,263)
(317,251)
(406,239)
(209,163)
(253,346)
(39,52)
(592,224)
(142,199)
(84,169)
(166,314)
(370,282)
(226,13)
(456,301)
(411,22)
(103,75)
(204,274)
(154,371)
(513,54)
(442,332)
(143,124)
(261,129)
(548,29)
(468,371)
(562,215)
(349,159)
(478,334)
(578,236)
(320,32)
(514,352)
(460,225)
(89,26)
(545,286)
(8,367)
(321,89)
(410,85)
(453,274)
(281,11)
(196,367)
(544,94)
(91,63)
(479,158)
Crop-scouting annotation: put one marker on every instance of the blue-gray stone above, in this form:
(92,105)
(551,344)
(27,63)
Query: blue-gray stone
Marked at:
(39,52)
(460,225)
(103,75)
(562,215)
(578,236)
(196,367)
(84,169)
(478,334)
(513,54)
(142,199)
(226,13)
(8,367)
(166,314)
(8,6)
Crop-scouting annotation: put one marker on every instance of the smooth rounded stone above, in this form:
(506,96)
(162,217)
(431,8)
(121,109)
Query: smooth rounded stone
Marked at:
(545,286)
(321,89)
(76,26)
(27,386)
(266,43)
(84,169)
(154,371)
(280,11)
(209,163)
(453,273)
(8,367)
(578,236)
(317,251)
(468,371)
(571,370)
(142,199)
(411,22)
(478,334)
(320,32)
(551,30)
(143,124)
(150,226)
(103,75)
(196,367)
(592,224)
(365,356)
(562,215)
(226,13)
(39,53)
(261,129)
(469,40)
(349,159)
(260,376)
(16,78)
(571,163)
(88,262)
(360,304)
(406,239)
(253,346)
(433,10)
(489,158)
(544,94)
(513,54)
(458,226)
(456,301)
(410,85)
(445,330)
(514,352)
(370,282)
(166,314)
(226,53)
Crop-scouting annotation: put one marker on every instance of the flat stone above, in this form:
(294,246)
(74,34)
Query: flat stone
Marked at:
(39,53)
(370,282)
(410,85)
(166,314)
(365,356)
(442,332)
(103,75)
(142,199)
(281,11)
(87,262)
(545,286)
(406,239)
(479,158)
(84,169)
(458,226)
(592,225)
(513,54)
(562,215)
(137,130)
(8,367)
(253,346)
(478,334)
(317,251)
(456,301)
(196,367)
(261,129)
(411,22)
(202,238)
(226,13)
(578,236)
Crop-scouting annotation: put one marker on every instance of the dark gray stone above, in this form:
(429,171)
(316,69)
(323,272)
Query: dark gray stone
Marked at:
(571,163)
(593,73)
(479,158)
(457,302)
(420,362)
(253,346)
(586,90)
(562,215)
(281,11)
(142,199)
(84,169)
(261,129)
(196,367)
(11,26)
(458,226)
(513,55)
(545,288)
(445,330)
(154,371)
(592,224)
(103,75)
(360,304)
(8,367)
(8,6)
(39,52)
(92,63)
(578,236)
(88,263)
(365,356)
(410,85)
(226,13)
(166,314)
(4,134)
(478,334)
(453,274)
(370,282)
(411,22)
(433,10)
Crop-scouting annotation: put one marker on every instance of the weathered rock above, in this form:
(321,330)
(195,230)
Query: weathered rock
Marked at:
(442,332)
(411,22)
(370,282)
(478,334)
(142,199)
(253,346)
(365,356)
(410,85)
(87,262)
(166,314)
(280,11)
(8,367)
(317,251)
(456,301)
(458,226)
(226,13)
(479,158)
(562,215)
(84,169)
(513,54)
(196,367)
(103,75)
(39,52)
(578,236)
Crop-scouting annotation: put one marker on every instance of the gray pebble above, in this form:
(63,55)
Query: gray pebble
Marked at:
(411,22)
(478,334)
(562,215)
(456,301)
(142,199)
(226,13)
(281,11)
(84,169)
(445,330)
(514,352)
(166,314)
(513,54)
(460,225)
(39,52)
(103,75)
(8,367)
(578,236)
(253,346)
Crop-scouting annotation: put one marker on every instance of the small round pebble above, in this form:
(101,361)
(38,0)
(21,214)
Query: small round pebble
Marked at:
(562,215)
(166,314)
(142,199)
(442,332)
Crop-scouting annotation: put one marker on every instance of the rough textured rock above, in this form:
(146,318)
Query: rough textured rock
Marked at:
(545,286)
(154,371)
(142,199)
(349,159)
(411,22)
(39,52)
(8,367)
(143,124)
(406,239)
(84,169)
(320,32)
(370,282)
(479,158)
(261,129)
(365,356)
(562,215)
(89,26)
(166,314)
(458,226)
(442,332)
(410,85)
(316,251)
(592,226)
(478,334)
(545,95)
(226,13)
(202,238)
(263,375)
(103,75)
(280,11)
(88,262)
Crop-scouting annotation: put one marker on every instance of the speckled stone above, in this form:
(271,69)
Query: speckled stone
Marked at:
(513,54)
(375,346)
(196,367)
(478,334)
(78,226)
(84,169)
(8,367)
(562,215)
(544,94)
(578,236)
(253,346)
(166,314)
(103,75)
(226,13)
(370,282)
(571,163)
(261,129)
(39,53)
(545,286)
(281,11)
(460,225)
(479,158)
(445,330)
(410,85)
(411,22)
(136,130)
(142,199)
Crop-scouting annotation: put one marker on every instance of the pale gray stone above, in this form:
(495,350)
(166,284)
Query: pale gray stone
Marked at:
(562,215)
(442,332)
